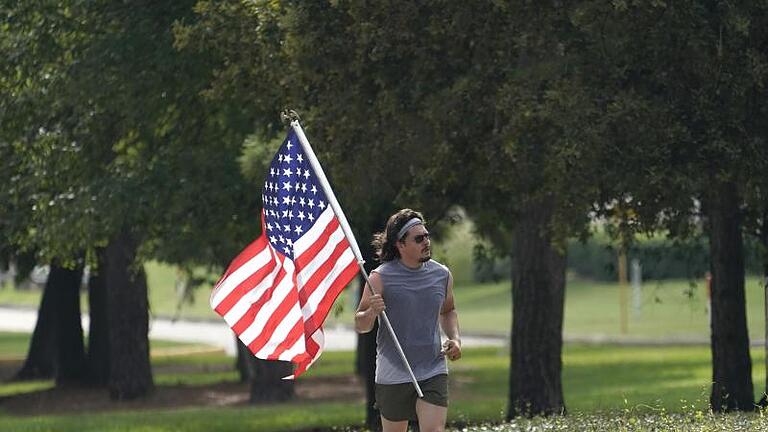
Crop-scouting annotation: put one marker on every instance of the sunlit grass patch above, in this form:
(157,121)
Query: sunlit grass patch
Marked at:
(13,388)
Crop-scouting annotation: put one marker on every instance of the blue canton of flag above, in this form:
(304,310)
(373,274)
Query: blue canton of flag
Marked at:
(292,197)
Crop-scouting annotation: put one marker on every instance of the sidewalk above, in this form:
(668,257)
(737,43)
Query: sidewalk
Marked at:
(216,334)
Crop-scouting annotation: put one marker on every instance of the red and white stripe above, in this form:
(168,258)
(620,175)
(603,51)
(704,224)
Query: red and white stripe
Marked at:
(277,306)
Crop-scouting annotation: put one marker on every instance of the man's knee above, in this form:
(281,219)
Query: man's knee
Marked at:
(393,426)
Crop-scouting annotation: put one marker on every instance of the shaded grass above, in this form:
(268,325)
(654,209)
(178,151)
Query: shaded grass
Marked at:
(262,418)
(207,368)
(13,344)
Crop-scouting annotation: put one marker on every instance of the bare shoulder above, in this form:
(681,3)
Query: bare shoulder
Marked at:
(376,283)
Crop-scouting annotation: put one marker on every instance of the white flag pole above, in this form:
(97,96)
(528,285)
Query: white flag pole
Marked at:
(350,238)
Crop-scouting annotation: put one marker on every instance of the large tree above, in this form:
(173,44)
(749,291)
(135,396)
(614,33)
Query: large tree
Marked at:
(512,142)
(682,84)
(29,75)
(110,145)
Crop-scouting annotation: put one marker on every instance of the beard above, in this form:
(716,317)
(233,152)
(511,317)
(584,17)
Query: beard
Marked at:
(427,257)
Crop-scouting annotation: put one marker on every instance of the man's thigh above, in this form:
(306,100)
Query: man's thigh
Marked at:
(431,417)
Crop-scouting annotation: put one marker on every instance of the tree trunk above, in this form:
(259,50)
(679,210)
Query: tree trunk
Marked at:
(98,334)
(70,349)
(365,363)
(130,372)
(56,349)
(538,295)
(366,370)
(265,376)
(267,383)
(243,358)
(41,357)
(732,387)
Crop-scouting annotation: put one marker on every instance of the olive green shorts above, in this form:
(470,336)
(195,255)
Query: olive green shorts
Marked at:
(397,402)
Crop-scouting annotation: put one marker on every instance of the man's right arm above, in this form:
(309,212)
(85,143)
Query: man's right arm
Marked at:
(370,305)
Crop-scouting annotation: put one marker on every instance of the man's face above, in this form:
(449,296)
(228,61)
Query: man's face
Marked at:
(416,245)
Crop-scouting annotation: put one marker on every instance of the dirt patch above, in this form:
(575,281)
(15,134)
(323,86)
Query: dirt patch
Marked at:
(225,394)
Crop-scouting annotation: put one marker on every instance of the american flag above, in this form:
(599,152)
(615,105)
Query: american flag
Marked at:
(277,292)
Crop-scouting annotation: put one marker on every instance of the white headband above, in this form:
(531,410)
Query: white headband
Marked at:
(408,225)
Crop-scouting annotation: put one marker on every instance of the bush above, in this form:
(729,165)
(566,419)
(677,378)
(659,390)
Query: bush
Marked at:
(659,259)
(596,259)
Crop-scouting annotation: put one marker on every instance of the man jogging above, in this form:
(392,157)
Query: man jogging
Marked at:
(418,294)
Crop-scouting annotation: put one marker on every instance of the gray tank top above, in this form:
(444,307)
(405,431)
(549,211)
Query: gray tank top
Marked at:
(413,299)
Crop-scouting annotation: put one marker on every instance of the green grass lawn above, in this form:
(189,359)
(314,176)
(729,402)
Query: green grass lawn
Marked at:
(606,387)
(272,418)
(613,379)
(668,309)
(335,416)
(14,346)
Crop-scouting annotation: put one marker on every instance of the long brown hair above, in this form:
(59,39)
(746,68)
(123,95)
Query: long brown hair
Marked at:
(384,242)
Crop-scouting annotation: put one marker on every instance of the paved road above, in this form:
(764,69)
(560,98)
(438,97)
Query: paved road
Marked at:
(214,333)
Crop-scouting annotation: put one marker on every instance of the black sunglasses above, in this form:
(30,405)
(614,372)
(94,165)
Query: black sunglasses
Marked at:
(420,238)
